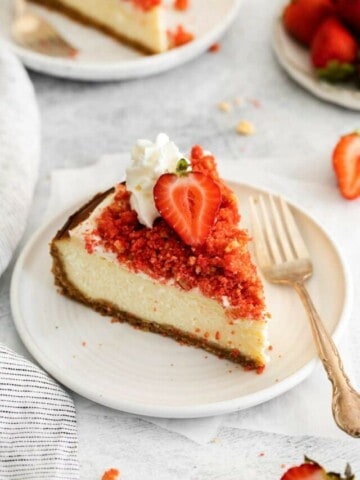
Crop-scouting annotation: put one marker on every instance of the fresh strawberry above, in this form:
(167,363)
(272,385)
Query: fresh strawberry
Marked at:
(334,51)
(189,203)
(346,162)
(349,12)
(303,17)
(311,470)
(306,471)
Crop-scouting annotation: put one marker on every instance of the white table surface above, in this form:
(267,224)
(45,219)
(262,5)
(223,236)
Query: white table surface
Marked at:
(81,121)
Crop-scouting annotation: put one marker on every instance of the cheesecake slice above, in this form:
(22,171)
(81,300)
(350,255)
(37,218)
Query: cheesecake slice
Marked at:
(139,23)
(119,256)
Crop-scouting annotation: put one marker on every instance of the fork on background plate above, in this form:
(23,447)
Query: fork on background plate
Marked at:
(284,259)
(34,33)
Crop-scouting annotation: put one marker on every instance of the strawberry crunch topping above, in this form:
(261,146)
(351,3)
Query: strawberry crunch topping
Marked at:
(146,4)
(220,267)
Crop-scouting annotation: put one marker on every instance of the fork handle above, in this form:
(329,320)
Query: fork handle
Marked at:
(345,400)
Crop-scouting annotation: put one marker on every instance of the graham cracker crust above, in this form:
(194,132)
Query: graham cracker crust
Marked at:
(107,309)
(90,22)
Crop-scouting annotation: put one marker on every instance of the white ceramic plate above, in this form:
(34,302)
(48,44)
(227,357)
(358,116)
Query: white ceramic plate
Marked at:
(102,58)
(144,373)
(295,60)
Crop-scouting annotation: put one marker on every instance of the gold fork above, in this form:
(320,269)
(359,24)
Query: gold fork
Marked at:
(32,32)
(284,259)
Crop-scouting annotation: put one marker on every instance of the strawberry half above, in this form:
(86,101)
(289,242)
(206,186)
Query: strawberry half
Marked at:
(303,17)
(346,162)
(306,471)
(189,203)
(334,51)
(311,470)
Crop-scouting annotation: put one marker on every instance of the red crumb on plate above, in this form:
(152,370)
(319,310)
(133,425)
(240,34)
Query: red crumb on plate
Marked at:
(83,344)
(181,4)
(260,369)
(112,474)
(179,37)
(215,47)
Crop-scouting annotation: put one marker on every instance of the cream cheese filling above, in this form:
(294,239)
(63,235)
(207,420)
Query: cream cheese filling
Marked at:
(100,279)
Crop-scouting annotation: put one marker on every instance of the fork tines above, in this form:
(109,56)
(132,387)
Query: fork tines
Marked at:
(277,237)
(35,33)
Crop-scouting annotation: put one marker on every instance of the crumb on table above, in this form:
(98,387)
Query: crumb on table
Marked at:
(225,107)
(245,127)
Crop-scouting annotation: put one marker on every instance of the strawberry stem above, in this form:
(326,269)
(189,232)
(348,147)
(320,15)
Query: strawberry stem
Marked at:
(336,71)
(182,167)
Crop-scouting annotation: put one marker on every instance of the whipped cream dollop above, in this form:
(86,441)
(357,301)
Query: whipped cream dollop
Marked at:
(149,160)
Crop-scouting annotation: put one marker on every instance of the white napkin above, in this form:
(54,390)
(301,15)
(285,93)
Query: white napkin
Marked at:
(38,433)
(307,407)
(19,151)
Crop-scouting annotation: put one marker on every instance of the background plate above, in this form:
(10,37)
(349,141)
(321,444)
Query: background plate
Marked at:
(295,60)
(144,373)
(102,58)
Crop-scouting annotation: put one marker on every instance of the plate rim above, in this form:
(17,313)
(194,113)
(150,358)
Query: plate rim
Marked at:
(337,95)
(127,69)
(178,412)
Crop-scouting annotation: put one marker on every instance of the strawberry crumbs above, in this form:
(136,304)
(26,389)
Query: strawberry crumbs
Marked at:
(179,37)
(181,5)
(112,474)
(146,4)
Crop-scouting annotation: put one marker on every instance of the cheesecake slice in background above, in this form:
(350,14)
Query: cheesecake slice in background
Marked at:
(139,23)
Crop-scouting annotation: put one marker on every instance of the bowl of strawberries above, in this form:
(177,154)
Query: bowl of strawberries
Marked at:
(317,42)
